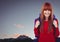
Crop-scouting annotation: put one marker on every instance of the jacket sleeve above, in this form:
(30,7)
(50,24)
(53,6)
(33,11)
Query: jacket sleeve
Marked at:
(35,29)
(57,30)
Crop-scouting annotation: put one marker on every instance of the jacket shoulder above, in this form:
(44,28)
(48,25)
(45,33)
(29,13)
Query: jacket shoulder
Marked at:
(55,19)
(37,19)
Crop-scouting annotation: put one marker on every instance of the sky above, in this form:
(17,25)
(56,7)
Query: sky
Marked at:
(17,16)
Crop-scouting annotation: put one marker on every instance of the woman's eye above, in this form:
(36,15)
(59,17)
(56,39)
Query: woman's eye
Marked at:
(44,11)
(49,12)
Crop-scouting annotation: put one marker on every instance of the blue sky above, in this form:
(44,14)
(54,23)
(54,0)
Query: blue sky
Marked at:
(17,17)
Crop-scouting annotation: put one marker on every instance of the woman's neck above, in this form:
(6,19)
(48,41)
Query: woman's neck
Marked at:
(46,19)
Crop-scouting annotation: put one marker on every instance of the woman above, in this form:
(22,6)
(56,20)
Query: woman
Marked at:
(46,26)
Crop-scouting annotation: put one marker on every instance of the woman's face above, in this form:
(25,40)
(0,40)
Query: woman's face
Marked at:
(47,13)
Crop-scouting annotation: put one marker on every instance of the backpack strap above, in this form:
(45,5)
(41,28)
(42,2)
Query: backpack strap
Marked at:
(39,26)
(54,26)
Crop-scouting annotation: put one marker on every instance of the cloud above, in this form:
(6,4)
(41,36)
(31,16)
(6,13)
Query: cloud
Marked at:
(15,35)
(9,35)
(19,25)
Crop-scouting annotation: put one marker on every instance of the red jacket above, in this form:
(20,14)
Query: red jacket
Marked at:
(45,36)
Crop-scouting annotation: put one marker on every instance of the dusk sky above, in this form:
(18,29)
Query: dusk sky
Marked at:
(17,17)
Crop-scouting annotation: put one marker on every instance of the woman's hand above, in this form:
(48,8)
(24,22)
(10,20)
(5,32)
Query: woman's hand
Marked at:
(55,23)
(37,24)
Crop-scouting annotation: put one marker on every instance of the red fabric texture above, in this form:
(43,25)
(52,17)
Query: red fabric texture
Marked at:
(45,36)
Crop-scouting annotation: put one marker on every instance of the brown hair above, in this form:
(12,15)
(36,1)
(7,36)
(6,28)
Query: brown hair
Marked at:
(46,6)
